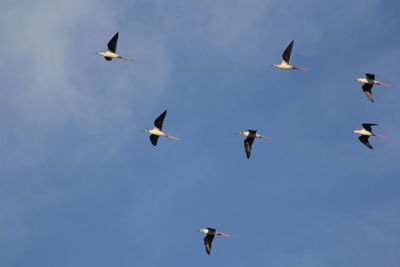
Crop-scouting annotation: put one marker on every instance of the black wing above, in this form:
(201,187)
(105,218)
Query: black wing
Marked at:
(370,76)
(364,140)
(159,121)
(154,139)
(288,51)
(207,242)
(252,131)
(108,58)
(367,91)
(248,142)
(367,126)
(112,44)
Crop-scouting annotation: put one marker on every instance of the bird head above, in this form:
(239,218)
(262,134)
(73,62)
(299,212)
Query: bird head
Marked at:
(275,65)
(147,130)
(100,53)
(203,230)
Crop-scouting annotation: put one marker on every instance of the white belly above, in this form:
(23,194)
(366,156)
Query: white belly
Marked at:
(364,132)
(367,81)
(284,65)
(110,54)
(156,131)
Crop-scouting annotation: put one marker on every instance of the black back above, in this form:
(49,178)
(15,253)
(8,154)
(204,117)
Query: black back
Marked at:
(112,44)
(159,121)
(370,76)
(287,53)
(367,126)
(154,139)
(364,140)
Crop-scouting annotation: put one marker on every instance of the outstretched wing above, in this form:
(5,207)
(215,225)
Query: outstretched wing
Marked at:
(367,126)
(108,58)
(207,243)
(159,121)
(154,139)
(370,76)
(112,44)
(367,91)
(364,140)
(248,142)
(288,51)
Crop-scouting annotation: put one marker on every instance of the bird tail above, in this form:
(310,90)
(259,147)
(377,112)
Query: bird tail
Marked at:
(297,68)
(175,138)
(126,58)
(384,84)
(379,135)
(264,137)
(218,233)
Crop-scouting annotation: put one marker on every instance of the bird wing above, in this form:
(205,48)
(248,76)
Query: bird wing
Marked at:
(159,121)
(288,51)
(370,76)
(367,126)
(248,142)
(252,131)
(367,91)
(108,58)
(364,140)
(154,139)
(207,242)
(112,44)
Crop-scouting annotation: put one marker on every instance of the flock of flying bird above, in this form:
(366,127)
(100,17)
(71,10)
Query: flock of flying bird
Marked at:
(156,132)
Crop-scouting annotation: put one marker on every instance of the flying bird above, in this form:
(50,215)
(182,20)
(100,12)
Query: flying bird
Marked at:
(368,82)
(112,48)
(285,64)
(366,132)
(210,233)
(157,130)
(248,142)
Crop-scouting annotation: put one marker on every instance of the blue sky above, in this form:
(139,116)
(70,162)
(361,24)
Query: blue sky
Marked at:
(81,185)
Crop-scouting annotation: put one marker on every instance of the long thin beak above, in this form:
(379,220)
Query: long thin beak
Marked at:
(218,233)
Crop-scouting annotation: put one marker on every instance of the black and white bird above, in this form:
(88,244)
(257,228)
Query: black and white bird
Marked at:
(366,132)
(208,239)
(112,48)
(368,82)
(157,130)
(285,64)
(248,142)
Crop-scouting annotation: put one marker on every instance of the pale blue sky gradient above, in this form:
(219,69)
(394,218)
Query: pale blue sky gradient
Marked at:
(81,185)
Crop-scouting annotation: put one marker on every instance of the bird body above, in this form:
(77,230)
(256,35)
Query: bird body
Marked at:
(157,130)
(285,64)
(368,83)
(366,132)
(208,239)
(363,132)
(112,48)
(248,142)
